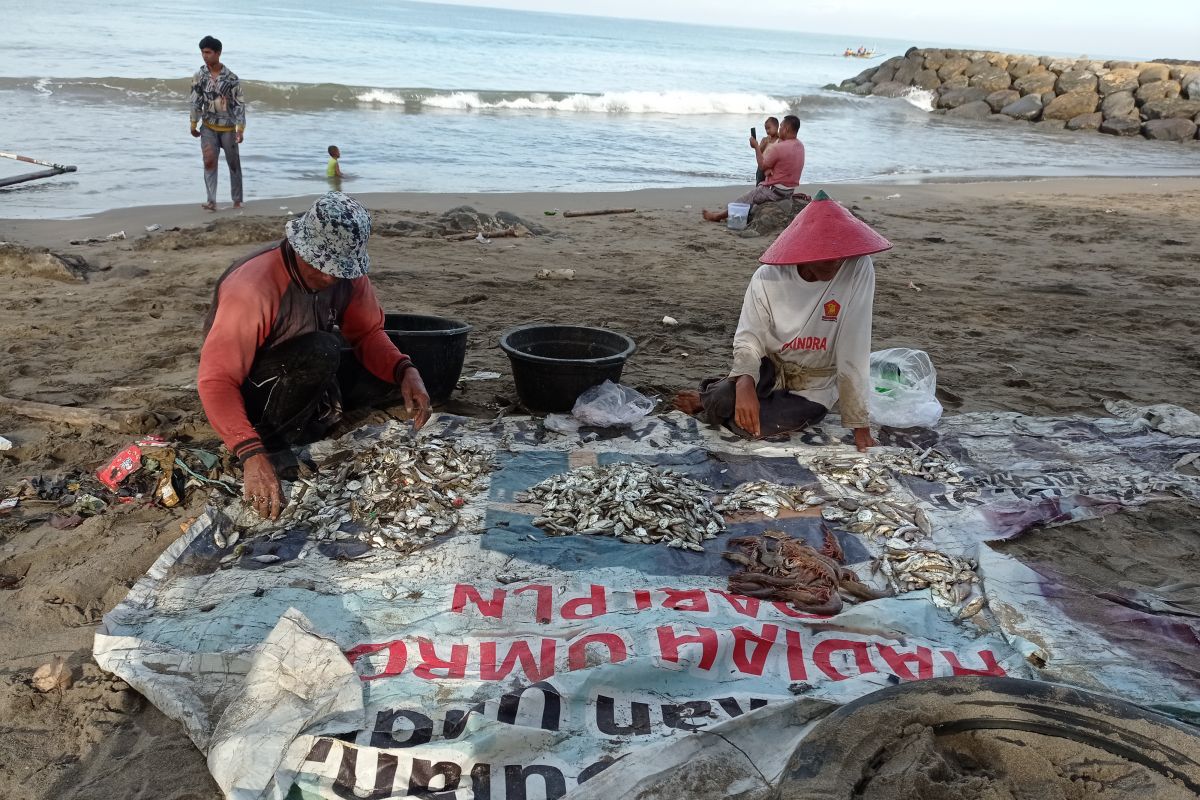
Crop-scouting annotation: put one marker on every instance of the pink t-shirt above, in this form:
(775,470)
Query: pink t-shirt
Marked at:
(783,163)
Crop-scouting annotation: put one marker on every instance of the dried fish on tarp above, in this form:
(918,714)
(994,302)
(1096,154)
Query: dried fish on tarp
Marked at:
(872,472)
(860,472)
(399,493)
(952,581)
(928,464)
(777,567)
(632,502)
(879,518)
(769,498)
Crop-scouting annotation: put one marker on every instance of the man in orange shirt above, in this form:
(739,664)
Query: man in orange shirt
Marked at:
(782,163)
(269,367)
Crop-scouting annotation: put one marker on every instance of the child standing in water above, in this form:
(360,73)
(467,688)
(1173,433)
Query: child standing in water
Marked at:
(333,170)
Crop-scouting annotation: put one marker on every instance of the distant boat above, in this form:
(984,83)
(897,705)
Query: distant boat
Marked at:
(862,52)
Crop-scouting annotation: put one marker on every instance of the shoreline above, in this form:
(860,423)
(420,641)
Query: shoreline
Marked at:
(57,232)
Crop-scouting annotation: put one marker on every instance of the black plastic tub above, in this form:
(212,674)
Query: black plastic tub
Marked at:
(553,364)
(436,345)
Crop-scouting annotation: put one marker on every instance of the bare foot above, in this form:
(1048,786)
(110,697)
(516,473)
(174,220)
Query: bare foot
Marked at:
(209,206)
(237,205)
(714,216)
(689,402)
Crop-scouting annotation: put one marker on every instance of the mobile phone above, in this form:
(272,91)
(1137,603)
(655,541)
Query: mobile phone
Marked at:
(754,133)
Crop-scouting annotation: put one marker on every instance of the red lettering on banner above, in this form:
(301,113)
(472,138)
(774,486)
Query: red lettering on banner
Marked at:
(469,594)
(746,606)
(669,644)
(641,599)
(990,666)
(456,667)
(594,601)
(685,600)
(577,652)
(535,670)
(545,600)
(397,658)
(750,649)
(823,657)
(797,671)
(788,611)
(900,663)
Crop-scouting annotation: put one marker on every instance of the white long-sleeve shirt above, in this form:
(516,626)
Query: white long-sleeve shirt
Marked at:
(805,326)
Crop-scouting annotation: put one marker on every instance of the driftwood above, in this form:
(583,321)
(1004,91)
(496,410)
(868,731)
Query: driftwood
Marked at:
(598,212)
(462,237)
(121,421)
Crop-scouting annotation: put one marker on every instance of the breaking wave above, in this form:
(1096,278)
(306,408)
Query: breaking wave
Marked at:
(316,96)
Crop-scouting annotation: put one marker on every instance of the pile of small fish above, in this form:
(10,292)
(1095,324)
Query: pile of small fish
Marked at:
(768,498)
(633,502)
(879,518)
(777,567)
(860,472)
(952,581)
(398,493)
(928,464)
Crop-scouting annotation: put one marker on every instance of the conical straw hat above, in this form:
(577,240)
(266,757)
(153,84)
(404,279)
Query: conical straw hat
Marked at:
(824,231)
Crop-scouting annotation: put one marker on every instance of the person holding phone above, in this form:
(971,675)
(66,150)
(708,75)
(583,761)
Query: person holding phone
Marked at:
(771,126)
(782,164)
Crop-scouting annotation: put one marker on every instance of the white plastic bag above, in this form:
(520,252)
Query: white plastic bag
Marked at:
(611,404)
(904,384)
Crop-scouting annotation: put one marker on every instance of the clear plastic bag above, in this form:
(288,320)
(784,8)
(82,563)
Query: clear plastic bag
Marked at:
(611,404)
(904,385)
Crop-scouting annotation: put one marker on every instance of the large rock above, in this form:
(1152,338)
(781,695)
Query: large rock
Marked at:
(1191,89)
(1060,65)
(998,100)
(1050,124)
(955,65)
(883,74)
(1028,107)
(1120,65)
(891,89)
(1085,122)
(1158,90)
(1130,125)
(978,65)
(1036,83)
(1151,73)
(927,79)
(992,79)
(1118,80)
(907,72)
(865,75)
(979,109)
(1169,109)
(1070,105)
(1021,66)
(934,59)
(1074,81)
(1048,98)
(1169,130)
(953,98)
(862,89)
(1118,104)
(957,82)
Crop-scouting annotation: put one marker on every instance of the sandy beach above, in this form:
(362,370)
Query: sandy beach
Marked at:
(1043,297)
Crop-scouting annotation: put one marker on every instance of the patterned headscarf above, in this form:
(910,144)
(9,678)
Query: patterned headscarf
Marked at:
(332,236)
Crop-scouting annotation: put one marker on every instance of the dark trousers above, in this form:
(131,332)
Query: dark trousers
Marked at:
(295,390)
(780,411)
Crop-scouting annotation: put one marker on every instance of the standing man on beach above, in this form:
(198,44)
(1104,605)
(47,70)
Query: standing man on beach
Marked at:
(803,342)
(783,164)
(218,119)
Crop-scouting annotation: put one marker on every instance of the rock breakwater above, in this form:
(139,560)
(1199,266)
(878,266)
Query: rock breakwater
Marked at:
(1156,100)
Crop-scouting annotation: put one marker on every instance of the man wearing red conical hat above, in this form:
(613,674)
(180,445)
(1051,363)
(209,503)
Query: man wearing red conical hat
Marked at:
(803,342)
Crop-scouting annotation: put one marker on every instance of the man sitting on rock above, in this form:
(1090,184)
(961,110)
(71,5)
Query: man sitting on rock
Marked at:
(269,368)
(803,341)
(782,163)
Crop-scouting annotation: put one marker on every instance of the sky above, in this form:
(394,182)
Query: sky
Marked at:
(1166,29)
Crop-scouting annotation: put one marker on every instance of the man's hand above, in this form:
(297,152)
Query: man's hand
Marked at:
(416,399)
(195,133)
(753,142)
(261,487)
(863,439)
(240,136)
(746,406)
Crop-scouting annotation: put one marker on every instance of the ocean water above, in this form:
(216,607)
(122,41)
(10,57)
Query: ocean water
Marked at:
(428,98)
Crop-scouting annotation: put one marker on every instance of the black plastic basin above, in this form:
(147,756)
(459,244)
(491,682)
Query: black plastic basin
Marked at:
(554,364)
(436,345)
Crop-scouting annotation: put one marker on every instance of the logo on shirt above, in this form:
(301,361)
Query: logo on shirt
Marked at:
(832,309)
(806,343)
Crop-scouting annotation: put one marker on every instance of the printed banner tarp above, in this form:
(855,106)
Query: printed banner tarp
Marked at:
(504,663)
